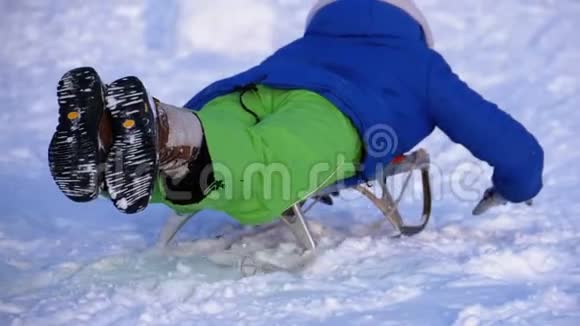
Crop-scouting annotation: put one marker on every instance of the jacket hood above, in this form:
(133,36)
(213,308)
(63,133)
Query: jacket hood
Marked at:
(394,18)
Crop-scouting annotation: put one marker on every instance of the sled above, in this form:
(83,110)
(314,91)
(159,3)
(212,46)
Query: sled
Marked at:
(295,218)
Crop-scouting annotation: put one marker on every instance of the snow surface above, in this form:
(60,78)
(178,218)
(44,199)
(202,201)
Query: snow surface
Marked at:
(63,263)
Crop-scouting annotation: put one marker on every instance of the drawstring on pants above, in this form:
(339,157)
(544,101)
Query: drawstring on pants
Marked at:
(243,91)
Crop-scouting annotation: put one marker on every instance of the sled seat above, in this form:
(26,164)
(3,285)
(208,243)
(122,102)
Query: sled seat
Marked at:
(386,203)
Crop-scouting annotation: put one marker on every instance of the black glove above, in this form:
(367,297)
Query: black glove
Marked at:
(327,199)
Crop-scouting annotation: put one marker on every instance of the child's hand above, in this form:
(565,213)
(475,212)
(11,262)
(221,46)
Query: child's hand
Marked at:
(491,198)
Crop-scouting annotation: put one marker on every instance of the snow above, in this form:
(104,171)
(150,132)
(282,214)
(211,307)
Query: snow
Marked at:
(63,263)
(232,28)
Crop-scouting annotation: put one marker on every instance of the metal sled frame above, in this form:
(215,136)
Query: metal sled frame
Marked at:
(386,203)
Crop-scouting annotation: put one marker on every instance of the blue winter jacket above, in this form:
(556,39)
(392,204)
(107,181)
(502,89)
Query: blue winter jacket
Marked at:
(370,59)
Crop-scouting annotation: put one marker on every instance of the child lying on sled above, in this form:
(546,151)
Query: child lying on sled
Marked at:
(255,144)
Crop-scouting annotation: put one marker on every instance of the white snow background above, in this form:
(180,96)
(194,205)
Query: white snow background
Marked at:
(63,263)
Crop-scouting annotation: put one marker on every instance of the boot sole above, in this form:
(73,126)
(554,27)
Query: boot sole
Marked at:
(132,162)
(73,153)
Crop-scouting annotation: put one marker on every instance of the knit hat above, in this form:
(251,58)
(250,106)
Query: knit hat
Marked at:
(406,5)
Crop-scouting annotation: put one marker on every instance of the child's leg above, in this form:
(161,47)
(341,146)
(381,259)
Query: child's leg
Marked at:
(300,144)
(112,139)
(225,111)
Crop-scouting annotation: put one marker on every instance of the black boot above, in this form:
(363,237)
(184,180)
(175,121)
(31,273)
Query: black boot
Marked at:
(152,139)
(77,152)
(132,163)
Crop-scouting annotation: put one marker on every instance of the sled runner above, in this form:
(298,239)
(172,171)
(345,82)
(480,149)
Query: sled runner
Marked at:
(295,219)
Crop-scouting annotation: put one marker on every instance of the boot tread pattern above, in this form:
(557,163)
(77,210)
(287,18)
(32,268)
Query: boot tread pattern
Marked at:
(73,153)
(132,162)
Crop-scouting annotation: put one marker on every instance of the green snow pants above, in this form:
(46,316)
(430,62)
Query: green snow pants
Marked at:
(284,146)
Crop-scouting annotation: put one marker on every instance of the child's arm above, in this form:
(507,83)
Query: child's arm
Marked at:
(487,132)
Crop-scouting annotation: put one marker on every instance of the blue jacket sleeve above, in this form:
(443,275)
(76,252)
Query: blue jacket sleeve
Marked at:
(487,132)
